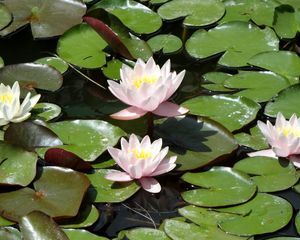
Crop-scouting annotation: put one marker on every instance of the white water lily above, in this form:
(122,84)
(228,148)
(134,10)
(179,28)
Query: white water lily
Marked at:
(11,110)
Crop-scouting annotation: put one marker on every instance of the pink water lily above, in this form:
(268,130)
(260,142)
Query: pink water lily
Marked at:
(283,137)
(146,88)
(141,161)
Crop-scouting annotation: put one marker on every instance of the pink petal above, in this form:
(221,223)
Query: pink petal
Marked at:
(175,84)
(166,165)
(263,153)
(150,185)
(118,176)
(129,114)
(168,109)
(295,160)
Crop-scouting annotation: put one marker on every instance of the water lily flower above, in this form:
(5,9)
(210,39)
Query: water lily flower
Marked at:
(141,161)
(10,108)
(283,137)
(146,88)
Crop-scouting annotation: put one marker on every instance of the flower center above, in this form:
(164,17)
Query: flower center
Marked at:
(149,79)
(141,154)
(289,131)
(6,98)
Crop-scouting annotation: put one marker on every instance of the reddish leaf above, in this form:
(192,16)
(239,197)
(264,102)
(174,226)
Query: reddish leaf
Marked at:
(109,36)
(63,158)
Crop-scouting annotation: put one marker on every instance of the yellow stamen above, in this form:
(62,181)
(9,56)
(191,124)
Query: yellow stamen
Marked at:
(289,131)
(6,98)
(141,154)
(145,79)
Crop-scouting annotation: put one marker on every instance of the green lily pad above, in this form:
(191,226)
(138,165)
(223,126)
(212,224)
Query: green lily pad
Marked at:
(263,214)
(196,141)
(233,112)
(88,139)
(49,195)
(167,43)
(38,225)
(5,16)
(255,140)
(17,166)
(146,234)
(285,63)
(258,86)
(297,222)
(104,164)
(220,186)
(270,174)
(4,222)
(132,14)
(227,38)
(195,13)
(86,217)
(103,190)
(82,46)
(30,76)
(46,111)
(76,234)
(1,62)
(112,70)
(286,102)
(214,81)
(154,2)
(46,18)
(10,233)
(59,64)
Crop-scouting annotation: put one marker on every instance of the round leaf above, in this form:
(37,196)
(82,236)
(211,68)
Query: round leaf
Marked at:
(233,112)
(112,70)
(214,81)
(59,64)
(221,186)
(5,16)
(227,37)
(76,234)
(146,234)
(168,43)
(46,111)
(297,222)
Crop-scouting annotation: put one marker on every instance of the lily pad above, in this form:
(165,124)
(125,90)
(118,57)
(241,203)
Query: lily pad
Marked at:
(46,111)
(227,38)
(5,16)
(4,222)
(270,174)
(214,81)
(194,12)
(132,14)
(1,62)
(82,46)
(263,214)
(167,43)
(258,86)
(220,186)
(103,190)
(10,233)
(45,17)
(31,76)
(112,70)
(37,225)
(59,64)
(17,166)
(49,195)
(255,140)
(297,222)
(233,112)
(76,234)
(286,102)
(196,141)
(146,234)
(88,139)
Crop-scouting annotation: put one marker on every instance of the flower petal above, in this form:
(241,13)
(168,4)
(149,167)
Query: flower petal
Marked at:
(21,118)
(150,185)
(168,109)
(129,114)
(118,176)
(263,153)
(166,165)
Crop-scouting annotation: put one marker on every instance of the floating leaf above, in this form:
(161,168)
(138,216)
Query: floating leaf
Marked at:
(59,64)
(220,186)
(1,62)
(227,37)
(146,234)
(51,191)
(214,81)
(88,139)
(39,226)
(258,86)
(10,233)
(45,17)
(82,46)
(297,222)
(30,76)
(46,111)
(270,174)
(167,43)
(4,222)
(196,141)
(112,70)
(263,214)
(195,13)
(17,166)
(132,14)
(233,112)
(286,102)
(255,140)
(104,190)
(76,234)
(5,16)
